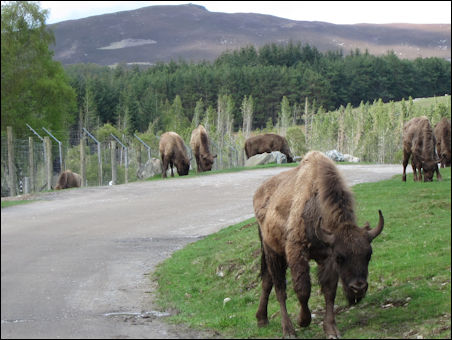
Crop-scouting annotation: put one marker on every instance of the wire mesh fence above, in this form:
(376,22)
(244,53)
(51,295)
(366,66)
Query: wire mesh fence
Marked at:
(35,167)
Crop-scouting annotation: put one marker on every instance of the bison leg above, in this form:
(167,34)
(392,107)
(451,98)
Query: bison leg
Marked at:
(301,281)
(328,281)
(415,175)
(406,157)
(277,266)
(198,163)
(164,166)
(171,165)
(267,285)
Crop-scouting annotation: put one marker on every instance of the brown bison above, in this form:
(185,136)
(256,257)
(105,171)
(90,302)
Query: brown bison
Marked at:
(173,152)
(68,179)
(267,143)
(442,135)
(308,213)
(419,142)
(199,143)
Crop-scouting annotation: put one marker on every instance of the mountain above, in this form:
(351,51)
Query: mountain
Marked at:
(190,32)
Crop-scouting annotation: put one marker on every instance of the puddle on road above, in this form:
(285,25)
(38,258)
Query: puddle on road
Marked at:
(144,315)
(16,321)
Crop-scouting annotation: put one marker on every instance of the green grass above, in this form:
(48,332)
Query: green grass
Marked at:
(6,204)
(409,274)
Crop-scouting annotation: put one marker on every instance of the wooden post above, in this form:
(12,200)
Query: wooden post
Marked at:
(49,168)
(126,179)
(31,164)
(11,166)
(99,165)
(113,162)
(82,160)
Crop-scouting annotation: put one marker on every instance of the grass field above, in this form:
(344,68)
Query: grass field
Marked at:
(409,274)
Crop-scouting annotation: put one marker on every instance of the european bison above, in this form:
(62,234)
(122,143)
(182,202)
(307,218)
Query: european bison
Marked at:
(442,135)
(199,143)
(267,143)
(308,213)
(68,179)
(419,142)
(173,152)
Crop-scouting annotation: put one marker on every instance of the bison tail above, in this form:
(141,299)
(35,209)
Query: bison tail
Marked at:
(264,268)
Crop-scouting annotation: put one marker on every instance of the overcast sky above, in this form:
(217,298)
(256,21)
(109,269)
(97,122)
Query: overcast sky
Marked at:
(336,12)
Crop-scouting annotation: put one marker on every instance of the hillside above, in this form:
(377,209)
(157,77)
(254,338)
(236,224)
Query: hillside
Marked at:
(190,32)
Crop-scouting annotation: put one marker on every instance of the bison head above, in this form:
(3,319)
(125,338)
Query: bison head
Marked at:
(350,255)
(429,168)
(183,168)
(207,161)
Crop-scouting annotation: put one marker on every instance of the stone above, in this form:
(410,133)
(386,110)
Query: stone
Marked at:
(350,158)
(151,168)
(266,158)
(335,155)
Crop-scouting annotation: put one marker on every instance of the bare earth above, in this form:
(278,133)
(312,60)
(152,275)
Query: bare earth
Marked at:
(74,263)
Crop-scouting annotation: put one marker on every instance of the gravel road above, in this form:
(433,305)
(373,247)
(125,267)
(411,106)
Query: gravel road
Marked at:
(74,263)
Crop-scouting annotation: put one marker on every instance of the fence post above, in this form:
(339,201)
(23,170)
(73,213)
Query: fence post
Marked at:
(82,160)
(49,168)
(147,147)
(113,163)
(99,158)
(126,160)
(11,167)
(43,147)
(31,164)
(59,148)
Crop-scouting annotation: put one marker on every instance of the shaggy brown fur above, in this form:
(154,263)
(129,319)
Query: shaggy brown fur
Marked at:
(68,179)
(173,152)
(199,143)
(308,213)
(419,142)
(267,143)
(442,135)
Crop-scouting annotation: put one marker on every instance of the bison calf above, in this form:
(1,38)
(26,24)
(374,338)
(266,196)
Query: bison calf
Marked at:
(68,179)
(419,144)
(308,213)
(267,142)
(173,152)
(199,143)
(442,135)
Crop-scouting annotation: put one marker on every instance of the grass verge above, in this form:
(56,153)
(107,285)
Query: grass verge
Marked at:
(409,274)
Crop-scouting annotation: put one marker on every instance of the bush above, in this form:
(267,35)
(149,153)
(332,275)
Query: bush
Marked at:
(296,139)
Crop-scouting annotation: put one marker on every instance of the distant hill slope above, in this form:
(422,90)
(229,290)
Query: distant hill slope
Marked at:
(190,32)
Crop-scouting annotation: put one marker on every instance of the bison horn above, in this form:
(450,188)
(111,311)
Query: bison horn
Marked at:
(322,234)
(378,229)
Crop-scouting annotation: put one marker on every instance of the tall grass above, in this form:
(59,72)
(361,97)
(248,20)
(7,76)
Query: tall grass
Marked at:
(409,274)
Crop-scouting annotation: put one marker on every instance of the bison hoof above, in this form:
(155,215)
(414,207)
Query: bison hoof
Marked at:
(262,323)
(289,333)
(304,321)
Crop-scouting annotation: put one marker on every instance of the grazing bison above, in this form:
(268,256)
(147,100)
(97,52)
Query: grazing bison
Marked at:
(173,152)
(308,213)
(419,143)
(199,143)
(68,179)
(267,143)
(442,135)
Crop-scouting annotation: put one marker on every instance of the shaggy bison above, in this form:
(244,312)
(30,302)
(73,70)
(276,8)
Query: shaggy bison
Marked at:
(199,143)
(442,135)
(308,213)
(267,143)
(419,143)
(173,152)
(68,179)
